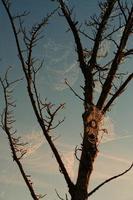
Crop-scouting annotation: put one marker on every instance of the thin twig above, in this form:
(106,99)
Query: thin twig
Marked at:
(73,91)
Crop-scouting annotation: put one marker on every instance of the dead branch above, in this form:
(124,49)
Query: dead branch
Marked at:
(17,147)
(58,195)
(110,179)
(33,95)
(75,93)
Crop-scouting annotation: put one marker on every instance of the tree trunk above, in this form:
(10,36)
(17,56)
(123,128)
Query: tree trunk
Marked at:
(89,152)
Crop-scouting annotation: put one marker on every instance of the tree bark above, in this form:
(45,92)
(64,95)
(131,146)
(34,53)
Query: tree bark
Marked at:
(89,153)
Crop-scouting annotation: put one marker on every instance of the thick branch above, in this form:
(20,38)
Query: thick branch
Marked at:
(115,64)
(74,30)
(86,71)
(119,91)
(100,32)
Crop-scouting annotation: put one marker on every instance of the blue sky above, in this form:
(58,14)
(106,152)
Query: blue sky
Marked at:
(58,50)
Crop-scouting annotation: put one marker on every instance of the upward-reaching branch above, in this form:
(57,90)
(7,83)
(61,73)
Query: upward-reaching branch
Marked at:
(115,64)
(29,75)
(83,65)
(17,147)
(72,24)
(100,31)
(118,92)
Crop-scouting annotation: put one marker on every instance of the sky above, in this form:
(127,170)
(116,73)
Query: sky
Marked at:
(57,48)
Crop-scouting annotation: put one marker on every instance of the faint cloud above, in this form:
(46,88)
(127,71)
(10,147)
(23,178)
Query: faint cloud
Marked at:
(34,140)
(108,165)
(98,87)
(68,158)
(60,65)
(2,195)
(104,49)
(109,133)
(120,33)
(119,138)
(58,77)
(43,161)
(115,158)
(11,178)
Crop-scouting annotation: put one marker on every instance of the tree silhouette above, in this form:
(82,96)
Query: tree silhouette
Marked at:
(115,16)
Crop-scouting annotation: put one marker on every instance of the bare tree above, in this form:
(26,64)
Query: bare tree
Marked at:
(116,16)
